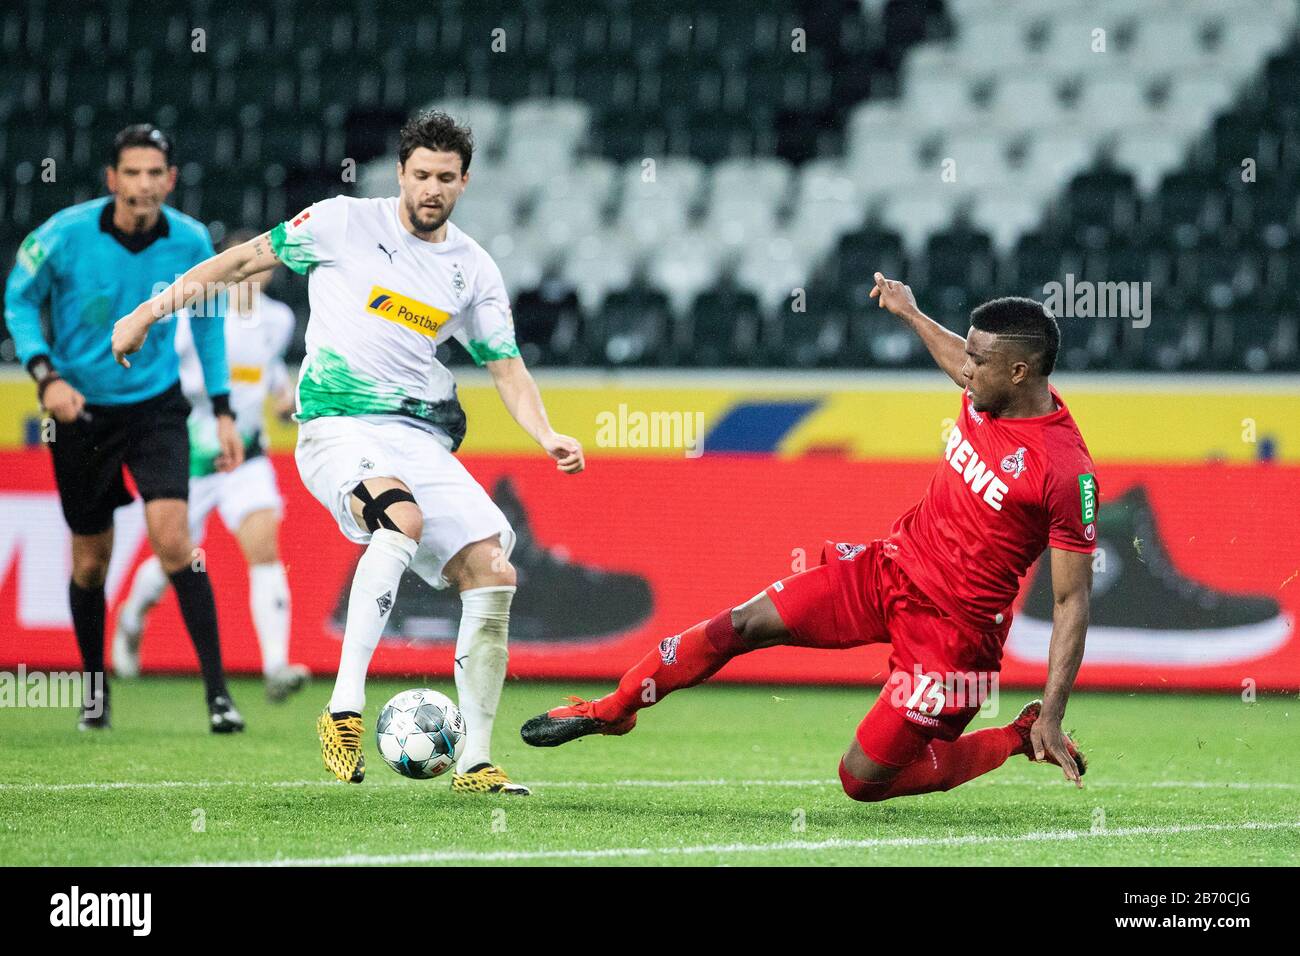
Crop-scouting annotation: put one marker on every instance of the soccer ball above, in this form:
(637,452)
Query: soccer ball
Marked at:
(421,733)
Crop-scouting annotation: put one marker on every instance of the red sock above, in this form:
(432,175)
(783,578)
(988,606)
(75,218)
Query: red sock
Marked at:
(683,660)
(943,765)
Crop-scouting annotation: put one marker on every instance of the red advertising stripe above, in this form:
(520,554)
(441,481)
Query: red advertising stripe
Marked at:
(687,537)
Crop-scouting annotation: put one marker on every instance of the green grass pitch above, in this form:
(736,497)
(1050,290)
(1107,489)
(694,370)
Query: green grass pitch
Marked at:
(720,774)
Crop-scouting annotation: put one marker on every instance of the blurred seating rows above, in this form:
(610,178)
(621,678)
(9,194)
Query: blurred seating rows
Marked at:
(646,203)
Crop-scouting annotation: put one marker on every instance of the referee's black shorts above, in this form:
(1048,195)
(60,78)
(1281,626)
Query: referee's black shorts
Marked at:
(149,437)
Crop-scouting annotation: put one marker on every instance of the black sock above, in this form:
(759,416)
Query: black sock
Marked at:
(199,610)
(88,622)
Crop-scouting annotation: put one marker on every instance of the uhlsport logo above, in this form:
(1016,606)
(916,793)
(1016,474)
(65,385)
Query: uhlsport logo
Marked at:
(1015,462)
(850,551)
(406,311)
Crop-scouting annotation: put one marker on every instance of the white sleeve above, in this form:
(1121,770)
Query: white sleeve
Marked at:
(282,319)
(489,331)
(313,237)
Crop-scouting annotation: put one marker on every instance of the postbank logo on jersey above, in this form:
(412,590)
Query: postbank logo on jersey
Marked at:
(406,311)
(979,477)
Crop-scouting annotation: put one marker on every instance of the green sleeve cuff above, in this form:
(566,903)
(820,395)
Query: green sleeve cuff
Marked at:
(294,253)
(484,352)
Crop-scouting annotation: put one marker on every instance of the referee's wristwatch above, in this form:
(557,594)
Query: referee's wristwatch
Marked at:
(43,371)
(221,405)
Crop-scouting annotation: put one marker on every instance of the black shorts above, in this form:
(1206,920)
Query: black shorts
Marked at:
(149,437)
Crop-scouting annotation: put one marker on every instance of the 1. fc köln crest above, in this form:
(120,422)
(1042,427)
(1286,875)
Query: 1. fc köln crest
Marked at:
(1014,464)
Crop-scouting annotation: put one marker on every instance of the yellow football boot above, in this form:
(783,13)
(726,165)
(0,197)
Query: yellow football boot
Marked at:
(340,745)
(487,778)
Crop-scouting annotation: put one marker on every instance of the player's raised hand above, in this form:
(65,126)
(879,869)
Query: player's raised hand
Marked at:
(1049,741)
(895,296)
(129,334)
(566,451)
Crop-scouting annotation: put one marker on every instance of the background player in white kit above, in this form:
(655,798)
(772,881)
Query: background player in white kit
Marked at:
(258,330)
(389,279)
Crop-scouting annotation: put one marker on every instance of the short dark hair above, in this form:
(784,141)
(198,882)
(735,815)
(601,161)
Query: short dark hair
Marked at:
(434,129)
(1027,322)
(142,134)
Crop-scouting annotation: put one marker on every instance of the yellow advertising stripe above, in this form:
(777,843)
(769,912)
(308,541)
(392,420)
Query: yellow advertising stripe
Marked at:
(1119,424)
(605,420)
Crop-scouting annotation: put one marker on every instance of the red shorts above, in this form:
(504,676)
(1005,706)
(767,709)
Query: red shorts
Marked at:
(940,670)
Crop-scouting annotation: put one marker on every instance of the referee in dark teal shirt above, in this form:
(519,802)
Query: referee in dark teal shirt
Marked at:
(89,264)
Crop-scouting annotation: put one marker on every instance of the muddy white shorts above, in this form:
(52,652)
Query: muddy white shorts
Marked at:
(234,494)
(336,452)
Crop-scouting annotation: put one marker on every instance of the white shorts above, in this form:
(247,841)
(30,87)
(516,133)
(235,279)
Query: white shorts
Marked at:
(235,494)
(337,452)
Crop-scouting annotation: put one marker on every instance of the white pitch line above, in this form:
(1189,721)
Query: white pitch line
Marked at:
(501,856)
(634,784)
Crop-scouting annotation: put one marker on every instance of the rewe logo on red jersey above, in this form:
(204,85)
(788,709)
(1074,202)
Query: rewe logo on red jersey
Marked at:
(978,476)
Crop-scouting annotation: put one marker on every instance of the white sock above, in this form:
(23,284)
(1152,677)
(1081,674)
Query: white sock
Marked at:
(374,589)
(146,590)
(268,600)
(481,656)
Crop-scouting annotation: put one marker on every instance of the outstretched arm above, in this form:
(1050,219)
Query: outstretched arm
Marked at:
(197,285)
(1071,589)
(948,348)
(519,393)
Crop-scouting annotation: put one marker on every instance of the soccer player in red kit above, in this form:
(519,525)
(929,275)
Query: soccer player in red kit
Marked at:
(1015,478)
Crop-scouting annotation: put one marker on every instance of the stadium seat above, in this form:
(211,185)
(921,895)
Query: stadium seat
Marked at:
(725,324)
(634,328)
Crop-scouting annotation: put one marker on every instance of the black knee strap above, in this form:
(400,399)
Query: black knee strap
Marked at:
(374,509)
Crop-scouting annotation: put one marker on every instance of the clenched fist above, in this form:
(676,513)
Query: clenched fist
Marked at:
(566,451)
(129,334)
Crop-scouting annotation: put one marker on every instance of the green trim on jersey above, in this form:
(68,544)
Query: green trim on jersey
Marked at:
(203,462)
(484,352)
(329,386)
(294,251)
(203,454)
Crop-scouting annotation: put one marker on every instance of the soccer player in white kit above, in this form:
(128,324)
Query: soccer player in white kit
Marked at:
(389,279)
(258,330)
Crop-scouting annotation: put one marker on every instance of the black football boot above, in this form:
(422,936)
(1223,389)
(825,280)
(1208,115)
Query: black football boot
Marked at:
(1144,610)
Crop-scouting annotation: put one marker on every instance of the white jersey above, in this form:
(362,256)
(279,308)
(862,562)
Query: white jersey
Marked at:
(381,302)
(255,346)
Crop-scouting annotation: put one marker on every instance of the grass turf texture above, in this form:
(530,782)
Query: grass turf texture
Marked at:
(718,774)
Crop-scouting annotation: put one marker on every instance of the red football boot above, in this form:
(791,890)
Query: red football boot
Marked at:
(562,724)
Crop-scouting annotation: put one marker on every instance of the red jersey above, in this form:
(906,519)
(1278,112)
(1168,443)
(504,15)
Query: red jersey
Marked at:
(1005,489)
